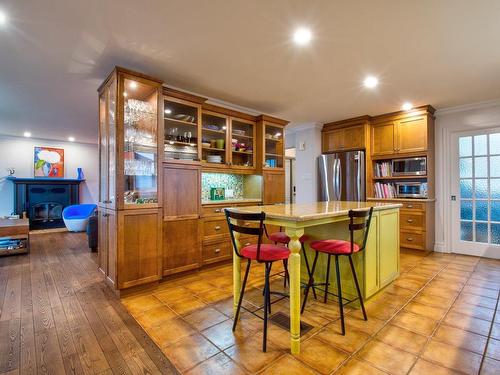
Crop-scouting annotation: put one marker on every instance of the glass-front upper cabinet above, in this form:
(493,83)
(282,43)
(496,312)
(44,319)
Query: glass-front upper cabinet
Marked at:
(181,122)
(139,100)
(274,150)
(214,138)
(242,143)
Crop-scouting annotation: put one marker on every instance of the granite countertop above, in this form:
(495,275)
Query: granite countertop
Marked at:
(402,199)
(231,201)
(316,210)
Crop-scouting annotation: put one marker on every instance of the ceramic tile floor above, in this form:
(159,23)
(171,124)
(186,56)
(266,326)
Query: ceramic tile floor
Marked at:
(438,317)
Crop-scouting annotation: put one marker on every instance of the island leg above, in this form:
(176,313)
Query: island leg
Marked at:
(294,272)
(236,275)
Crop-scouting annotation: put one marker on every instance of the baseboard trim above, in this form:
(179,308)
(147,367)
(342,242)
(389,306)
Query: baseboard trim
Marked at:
(439,247)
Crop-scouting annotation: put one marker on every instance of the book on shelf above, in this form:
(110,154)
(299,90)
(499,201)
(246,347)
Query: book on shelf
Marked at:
(383,169)
(384,190)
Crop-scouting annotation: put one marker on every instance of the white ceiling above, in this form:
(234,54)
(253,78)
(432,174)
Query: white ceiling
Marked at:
(55,53)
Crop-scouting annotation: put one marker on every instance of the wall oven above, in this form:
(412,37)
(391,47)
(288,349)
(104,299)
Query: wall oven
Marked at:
(409,167)
(411,190)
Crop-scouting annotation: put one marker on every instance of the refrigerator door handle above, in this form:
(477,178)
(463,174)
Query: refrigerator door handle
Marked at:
(357,161)
(334,176)
(339,179)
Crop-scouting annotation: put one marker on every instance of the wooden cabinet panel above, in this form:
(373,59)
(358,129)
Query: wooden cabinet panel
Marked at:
(216,211)
(103,240)
(217,252)
(107,243)
(139,247)
(332,140)
(412,134)
(181,241)
(181,195)
(383,138)
(274,187)
(388,247)
(354,137)
(413,240)
(412,220)
(215,227)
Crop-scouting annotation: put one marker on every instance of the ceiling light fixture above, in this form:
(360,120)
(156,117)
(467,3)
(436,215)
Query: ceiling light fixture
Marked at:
(132,85)
(407,106)
(125,94)
(302,36)
(3,17)
(71,139)
(370,82)
(27,134)
(168,111)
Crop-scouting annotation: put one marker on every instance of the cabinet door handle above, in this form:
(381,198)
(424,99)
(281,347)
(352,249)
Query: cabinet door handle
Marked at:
(410,206)
(247,244)
(217,227)
(409,220)
(217,251)
(217,210)
(410,239)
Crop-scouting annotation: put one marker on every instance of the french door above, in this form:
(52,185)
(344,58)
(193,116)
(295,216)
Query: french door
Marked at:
(475,193)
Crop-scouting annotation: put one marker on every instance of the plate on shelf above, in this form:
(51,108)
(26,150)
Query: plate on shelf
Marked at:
(239,132)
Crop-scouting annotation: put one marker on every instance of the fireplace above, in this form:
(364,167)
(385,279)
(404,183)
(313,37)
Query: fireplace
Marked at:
(44,199)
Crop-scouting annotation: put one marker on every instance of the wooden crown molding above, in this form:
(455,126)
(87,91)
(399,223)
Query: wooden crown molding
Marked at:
(175,93)
(274,120)
(228,112)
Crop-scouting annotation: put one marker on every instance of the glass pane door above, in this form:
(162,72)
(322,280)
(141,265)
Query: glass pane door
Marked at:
(274,150)
(213,138)
(103,147)
(181,131)
(242,143)
(479,193)
(140,143)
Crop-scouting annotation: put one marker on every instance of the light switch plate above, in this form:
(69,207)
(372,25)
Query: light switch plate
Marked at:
(302,146)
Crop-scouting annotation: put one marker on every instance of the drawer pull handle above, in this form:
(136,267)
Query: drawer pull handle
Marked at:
(409,220)
(217,251)
(247,224)
(247,244)
(410,206)
(410,239)
(217,227)
(217,210)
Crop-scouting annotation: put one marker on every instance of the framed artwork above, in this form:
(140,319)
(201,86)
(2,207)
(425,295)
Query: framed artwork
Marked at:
(49,162)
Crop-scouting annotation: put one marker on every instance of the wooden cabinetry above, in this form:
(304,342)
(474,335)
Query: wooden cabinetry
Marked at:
(181,212)
(130,153)
(402,133)
(273,187)
(271,143)
(345,135)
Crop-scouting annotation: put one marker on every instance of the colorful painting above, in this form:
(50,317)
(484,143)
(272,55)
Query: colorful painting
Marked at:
(49,162)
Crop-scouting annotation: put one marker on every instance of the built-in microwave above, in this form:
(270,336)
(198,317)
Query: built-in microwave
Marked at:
(409,167)
(411,189)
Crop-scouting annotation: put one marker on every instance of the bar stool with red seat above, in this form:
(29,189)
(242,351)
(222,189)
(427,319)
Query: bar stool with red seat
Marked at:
(341,248)
(262,253)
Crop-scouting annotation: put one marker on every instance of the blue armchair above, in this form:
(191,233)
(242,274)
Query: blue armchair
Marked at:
(76,217)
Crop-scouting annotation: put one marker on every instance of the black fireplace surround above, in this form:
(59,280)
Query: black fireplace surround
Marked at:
(43,199)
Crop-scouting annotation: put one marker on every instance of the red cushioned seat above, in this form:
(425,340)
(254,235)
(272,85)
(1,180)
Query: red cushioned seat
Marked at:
(281,237)
(268,252)
(333,246)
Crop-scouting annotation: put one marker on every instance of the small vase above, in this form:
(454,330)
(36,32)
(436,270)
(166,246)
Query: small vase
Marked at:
(79,174)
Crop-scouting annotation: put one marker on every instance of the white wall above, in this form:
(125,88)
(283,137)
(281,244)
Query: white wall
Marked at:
(306,168)
(17,152)
(448,121)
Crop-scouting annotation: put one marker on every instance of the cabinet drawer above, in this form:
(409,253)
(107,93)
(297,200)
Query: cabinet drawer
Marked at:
(412,240)
(215,227)
(217,251)
(411,219)
(416,206)
(213,211)
(248,240)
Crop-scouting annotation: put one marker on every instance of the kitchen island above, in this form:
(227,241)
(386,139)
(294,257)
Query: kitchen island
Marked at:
(376,266)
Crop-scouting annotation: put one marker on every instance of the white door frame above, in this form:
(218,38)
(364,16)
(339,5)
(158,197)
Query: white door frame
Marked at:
(458,246)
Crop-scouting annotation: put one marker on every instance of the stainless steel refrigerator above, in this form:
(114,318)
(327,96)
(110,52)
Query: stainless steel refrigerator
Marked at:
(342,176)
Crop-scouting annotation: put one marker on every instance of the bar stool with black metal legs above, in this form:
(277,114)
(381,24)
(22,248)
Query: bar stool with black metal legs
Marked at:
(282,238)
(262,253)
(358,220)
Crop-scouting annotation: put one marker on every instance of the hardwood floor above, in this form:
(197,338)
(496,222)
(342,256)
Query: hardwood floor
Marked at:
(58,317)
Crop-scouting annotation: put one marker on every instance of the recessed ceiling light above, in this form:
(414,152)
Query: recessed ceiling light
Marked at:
(27,134)
(3,17)
(125,94)
(168,111)
(132,85)
(71,139)
(370,82)
(407,106)
(302,36)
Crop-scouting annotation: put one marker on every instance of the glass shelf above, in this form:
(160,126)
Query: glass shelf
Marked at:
(242,143)
(181,131)
(140,158)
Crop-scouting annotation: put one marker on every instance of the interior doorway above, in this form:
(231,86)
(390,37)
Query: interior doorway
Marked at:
(290,189)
